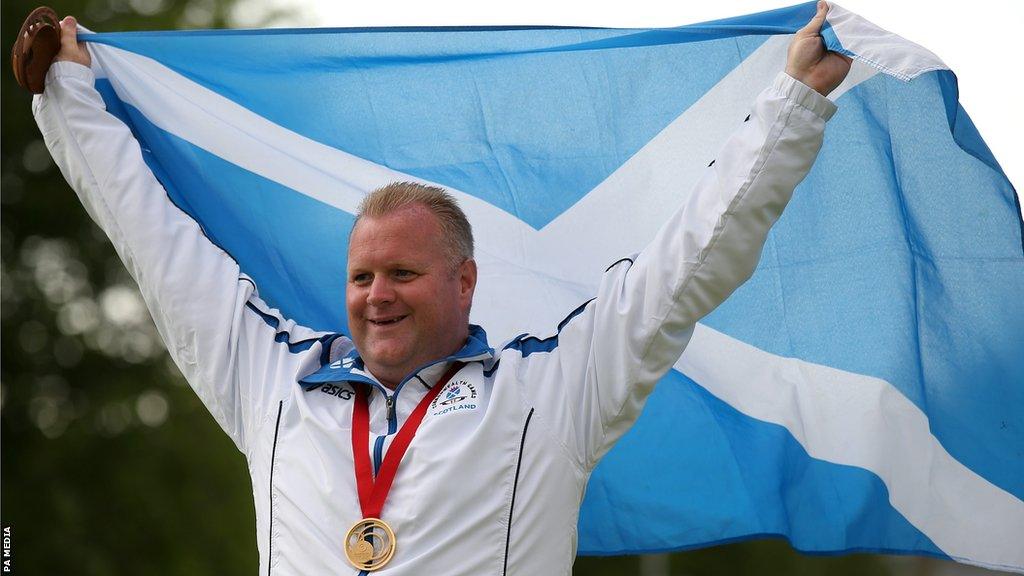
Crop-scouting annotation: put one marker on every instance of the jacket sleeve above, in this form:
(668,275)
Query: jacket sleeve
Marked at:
(230,346)
(612,350)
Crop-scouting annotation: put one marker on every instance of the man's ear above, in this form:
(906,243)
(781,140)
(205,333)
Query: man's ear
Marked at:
(467,282)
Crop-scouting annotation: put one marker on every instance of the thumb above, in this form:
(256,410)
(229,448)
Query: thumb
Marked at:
(70,49)
(69,33)
(813,28)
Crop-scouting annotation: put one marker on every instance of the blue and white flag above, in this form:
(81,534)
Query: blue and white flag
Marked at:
(863,391)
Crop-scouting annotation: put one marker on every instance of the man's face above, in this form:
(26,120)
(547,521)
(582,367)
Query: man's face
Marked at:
(406,305)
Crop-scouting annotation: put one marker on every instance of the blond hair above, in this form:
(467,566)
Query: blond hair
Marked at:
(455,228)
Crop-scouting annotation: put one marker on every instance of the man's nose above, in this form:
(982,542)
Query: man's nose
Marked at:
(381,291)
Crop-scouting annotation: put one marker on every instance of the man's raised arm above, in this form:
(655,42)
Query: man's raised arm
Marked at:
(225,340)
(610,354)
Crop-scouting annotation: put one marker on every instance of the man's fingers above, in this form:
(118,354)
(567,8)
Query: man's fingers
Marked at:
(813,28)
(69,36)
(70,49)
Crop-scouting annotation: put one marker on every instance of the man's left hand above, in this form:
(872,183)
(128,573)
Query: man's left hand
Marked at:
(810,62)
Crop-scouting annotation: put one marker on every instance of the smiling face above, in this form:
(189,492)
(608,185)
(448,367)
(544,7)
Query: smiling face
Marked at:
(406,305)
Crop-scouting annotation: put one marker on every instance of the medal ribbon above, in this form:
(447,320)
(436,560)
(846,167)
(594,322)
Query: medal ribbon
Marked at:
(373,493)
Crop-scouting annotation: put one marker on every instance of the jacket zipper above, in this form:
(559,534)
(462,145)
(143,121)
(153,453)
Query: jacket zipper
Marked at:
(378,445)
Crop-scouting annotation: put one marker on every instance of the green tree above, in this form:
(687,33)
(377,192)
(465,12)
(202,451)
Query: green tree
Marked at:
(110,463)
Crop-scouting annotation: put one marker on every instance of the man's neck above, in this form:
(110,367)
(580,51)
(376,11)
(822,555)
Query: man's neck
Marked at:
(433,370)
(390,379)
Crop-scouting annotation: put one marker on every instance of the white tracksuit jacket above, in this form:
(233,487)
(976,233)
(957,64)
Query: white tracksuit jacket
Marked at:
(493,481)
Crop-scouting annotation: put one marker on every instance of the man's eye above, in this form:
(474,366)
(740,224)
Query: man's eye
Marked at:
(360,279)
(404,274)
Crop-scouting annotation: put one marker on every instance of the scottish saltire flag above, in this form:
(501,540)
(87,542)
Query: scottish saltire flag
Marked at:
(864,391)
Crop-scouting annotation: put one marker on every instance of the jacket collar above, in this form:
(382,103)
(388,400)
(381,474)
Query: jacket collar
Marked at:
(350,368)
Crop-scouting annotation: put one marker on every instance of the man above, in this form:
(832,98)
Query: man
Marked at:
(415,447)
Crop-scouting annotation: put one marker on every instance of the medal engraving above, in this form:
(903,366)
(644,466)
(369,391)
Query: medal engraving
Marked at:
(369,544)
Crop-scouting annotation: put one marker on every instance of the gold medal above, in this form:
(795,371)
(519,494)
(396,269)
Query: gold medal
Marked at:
(369,544)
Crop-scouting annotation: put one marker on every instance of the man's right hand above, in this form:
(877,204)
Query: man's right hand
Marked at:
(71,50)
(810,62)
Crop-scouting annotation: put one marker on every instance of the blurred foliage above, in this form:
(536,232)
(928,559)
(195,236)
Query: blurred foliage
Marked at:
(110,463)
